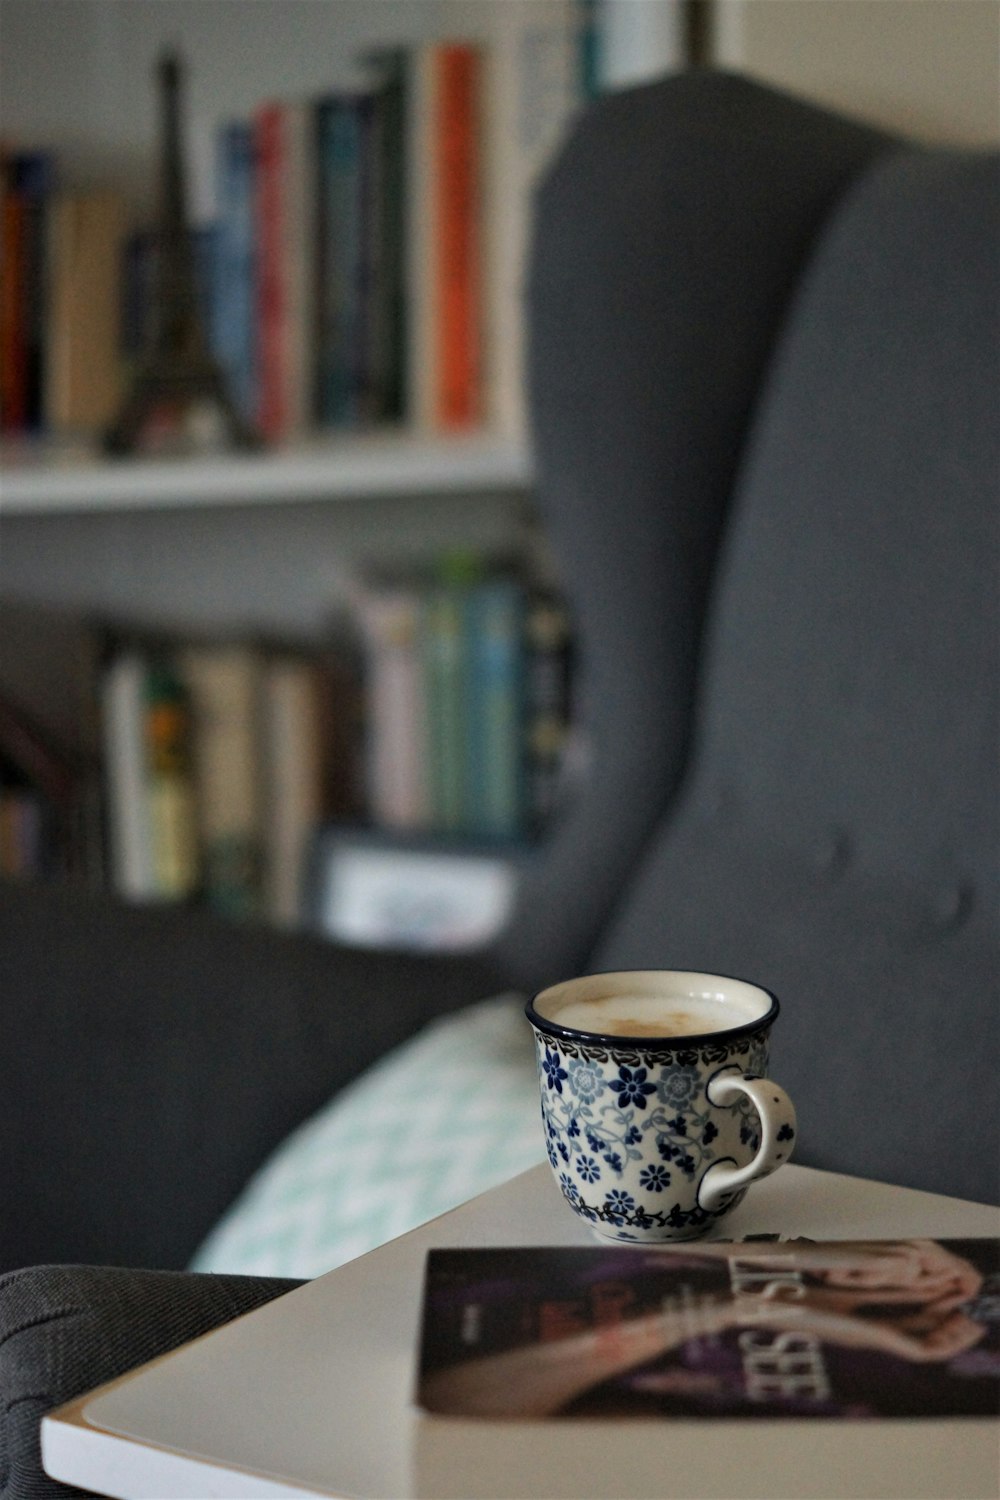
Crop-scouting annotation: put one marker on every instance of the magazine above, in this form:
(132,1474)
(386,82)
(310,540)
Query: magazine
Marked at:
(839,1329)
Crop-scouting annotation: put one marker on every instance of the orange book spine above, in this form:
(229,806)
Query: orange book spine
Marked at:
(459,393)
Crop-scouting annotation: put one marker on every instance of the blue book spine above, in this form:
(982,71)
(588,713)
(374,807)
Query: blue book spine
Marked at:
(343,123)
(32,178)
(496,767)
(233,318)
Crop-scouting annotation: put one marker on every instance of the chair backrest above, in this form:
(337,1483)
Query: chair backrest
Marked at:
(669,239)
(837,834)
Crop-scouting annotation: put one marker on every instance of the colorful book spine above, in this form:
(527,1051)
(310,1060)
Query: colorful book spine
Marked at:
(343,126)
(13,346)
(234,325)
(123,720)
(32,180)
(446,675)
(84,344)
(222,683)
(292,758)
(533,91)
(284,145)
(170,784)
(387,324)
(396,712)
(495,777)
(457,402)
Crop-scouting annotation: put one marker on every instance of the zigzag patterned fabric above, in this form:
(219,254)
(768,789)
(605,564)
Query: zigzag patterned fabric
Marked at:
(452,1112)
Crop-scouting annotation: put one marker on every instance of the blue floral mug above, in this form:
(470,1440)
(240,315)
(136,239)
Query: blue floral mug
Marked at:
(655,1105)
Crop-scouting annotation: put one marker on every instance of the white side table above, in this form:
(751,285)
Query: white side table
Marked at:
(312,1394)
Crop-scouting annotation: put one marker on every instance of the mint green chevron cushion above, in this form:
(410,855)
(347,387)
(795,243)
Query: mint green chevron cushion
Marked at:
(449,1114)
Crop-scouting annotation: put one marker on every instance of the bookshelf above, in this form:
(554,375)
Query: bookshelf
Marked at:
(264,546)
(48,482)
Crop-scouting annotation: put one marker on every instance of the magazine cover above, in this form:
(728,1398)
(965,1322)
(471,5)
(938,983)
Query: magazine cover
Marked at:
(907,1328)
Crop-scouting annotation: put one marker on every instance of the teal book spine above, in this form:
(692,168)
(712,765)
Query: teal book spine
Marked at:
(495,775)
(341,127)
(446,680)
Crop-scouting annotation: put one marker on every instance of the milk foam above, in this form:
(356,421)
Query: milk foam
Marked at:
(648,1015)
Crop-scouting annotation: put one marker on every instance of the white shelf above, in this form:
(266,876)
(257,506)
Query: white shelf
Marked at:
(40,481)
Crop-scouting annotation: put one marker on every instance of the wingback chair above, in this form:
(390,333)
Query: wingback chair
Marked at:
(763,385)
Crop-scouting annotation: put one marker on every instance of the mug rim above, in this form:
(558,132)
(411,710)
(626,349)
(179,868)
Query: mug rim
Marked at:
(652,1043)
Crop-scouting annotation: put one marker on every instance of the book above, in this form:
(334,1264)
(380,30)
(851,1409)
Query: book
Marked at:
(495,730)
(535,87)
(132,872)
(13,336)
(222,681)
(458,237)
(292,750)
(84,345)
(234,320)
(387,324)
(32,179)
(285,199)
(445,637)
(444,241)
(344,130)
(396,728)
(169,779)
(790,1330)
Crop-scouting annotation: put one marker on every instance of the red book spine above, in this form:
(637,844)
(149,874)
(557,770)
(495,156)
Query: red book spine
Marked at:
(13,342)
(271,412)
(459,394)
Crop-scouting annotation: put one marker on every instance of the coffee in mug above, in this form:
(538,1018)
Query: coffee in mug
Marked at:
(655,1104)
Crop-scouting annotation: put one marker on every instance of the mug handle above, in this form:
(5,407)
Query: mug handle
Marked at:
(724,1179)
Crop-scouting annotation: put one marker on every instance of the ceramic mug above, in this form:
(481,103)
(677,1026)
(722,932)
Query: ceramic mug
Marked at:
(655,1105)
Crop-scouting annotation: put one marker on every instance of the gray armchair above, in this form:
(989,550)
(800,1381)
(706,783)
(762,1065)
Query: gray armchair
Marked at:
(763,371)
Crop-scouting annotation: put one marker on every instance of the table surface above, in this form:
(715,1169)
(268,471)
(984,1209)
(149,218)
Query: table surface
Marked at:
(312,1394)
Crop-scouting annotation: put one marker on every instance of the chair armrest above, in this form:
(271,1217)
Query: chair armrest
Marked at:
(65,1329)
(152,1059)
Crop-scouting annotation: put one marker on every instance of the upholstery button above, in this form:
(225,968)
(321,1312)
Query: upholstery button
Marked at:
(833,852)
(952,907)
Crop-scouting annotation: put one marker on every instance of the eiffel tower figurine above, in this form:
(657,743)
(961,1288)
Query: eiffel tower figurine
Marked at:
(178,398)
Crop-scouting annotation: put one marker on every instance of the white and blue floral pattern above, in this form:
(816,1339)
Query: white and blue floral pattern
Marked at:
(628,1130)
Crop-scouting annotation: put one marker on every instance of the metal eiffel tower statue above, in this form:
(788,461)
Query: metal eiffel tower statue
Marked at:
(178,397)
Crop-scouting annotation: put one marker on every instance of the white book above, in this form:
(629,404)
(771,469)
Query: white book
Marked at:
(130,833)
(292,756)
(534,92)
(396,745)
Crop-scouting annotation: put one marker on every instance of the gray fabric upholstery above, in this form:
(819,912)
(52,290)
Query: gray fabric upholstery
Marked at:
(669,241)
(838,838)
(63,1327)
(152,1058)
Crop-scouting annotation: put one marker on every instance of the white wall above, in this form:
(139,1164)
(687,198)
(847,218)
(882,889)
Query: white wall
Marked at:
(929,69)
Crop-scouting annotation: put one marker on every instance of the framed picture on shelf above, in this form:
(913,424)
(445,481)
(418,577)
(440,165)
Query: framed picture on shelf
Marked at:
(416,893)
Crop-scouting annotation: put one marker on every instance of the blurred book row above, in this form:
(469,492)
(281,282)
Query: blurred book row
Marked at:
(174,768)
(363,262)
